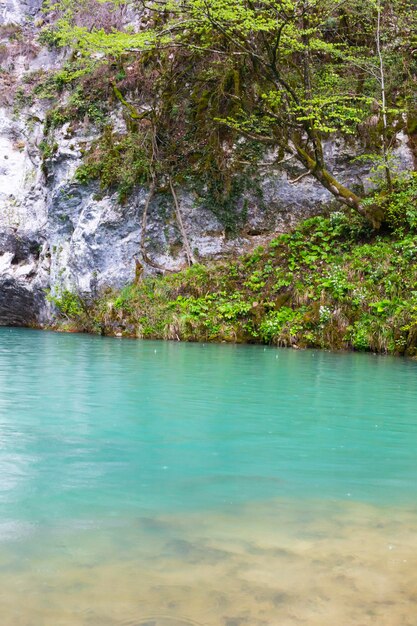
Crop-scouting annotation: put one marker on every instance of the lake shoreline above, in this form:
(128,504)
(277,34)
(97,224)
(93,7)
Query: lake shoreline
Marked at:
(62,329)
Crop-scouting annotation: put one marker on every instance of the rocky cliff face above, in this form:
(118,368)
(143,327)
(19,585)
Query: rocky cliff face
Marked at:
(56,234)
(18,11)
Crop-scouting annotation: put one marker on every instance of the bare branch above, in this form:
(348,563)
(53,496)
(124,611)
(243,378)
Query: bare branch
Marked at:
(186,243)
(296,180)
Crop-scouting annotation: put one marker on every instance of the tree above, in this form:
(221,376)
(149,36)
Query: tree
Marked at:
(313,68)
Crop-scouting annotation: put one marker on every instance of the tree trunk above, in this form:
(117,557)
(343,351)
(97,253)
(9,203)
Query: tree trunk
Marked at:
(373,213)
(384,138)
(186,243)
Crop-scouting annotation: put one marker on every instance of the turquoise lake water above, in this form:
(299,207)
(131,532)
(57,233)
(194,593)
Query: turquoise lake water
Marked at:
(169,484)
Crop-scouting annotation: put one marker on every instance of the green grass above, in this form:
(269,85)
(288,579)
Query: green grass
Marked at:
(332,283)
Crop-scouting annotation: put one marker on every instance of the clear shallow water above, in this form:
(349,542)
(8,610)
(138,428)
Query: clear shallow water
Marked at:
(167,484)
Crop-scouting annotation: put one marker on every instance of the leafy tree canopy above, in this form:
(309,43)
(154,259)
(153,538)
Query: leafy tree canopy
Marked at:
(284,73)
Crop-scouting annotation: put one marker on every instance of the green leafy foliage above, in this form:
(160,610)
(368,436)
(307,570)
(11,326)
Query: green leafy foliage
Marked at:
(69,303)
(401,205)
(117,161)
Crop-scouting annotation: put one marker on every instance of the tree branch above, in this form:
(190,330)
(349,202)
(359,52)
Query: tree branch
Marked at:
(296,180)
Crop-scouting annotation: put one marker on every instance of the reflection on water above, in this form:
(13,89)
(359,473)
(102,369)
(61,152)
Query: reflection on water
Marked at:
(157,484)
(277,563)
